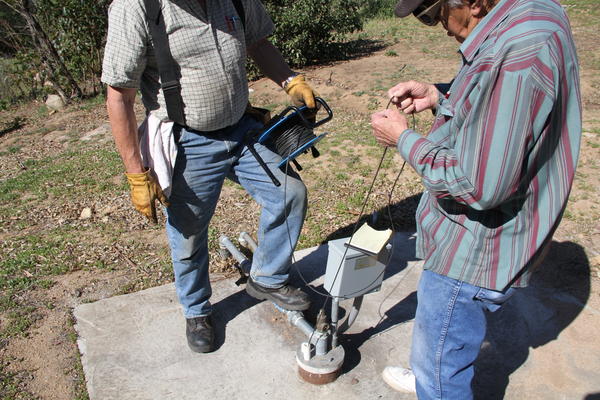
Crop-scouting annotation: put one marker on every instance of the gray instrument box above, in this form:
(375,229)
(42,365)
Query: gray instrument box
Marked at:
(359,273)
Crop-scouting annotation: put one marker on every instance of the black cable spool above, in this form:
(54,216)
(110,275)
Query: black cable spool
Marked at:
(291,137)
(291,131)
(290,134)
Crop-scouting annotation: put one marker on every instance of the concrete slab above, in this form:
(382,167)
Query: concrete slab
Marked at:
(134,346)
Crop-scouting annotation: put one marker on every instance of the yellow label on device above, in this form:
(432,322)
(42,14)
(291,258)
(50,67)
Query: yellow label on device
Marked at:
(365,262)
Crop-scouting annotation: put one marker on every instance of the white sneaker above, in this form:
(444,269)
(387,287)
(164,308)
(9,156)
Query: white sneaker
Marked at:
(400,379)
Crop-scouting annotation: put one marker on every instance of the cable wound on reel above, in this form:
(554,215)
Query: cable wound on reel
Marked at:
(292,132)
(292,137)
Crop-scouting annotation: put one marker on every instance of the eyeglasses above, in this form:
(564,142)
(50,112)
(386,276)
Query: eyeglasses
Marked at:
(428,12)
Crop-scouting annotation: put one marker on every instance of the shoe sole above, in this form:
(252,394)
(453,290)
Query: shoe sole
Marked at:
(201,349)
(394,384)
(263,296)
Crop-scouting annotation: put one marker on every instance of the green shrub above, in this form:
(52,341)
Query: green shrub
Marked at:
(77,29)
(377,8)
(305,30)
(18,79)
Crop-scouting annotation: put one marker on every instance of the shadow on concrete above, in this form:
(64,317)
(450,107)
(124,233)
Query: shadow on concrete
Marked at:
(592,396)
(534,316)
(400,313)
(227,309)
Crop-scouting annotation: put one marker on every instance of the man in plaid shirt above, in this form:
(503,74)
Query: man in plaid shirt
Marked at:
(209,43)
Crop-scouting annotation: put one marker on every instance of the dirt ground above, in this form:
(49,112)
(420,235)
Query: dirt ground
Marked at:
(44,361)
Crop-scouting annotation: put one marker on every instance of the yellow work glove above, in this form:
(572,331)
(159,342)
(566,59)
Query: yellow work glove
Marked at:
(145,190)
(300,92)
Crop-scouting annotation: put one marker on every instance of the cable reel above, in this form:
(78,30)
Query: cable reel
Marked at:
(291,134)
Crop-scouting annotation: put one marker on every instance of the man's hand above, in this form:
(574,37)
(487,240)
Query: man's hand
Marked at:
(413,97)
(145,190)
(301,92)
(387,126)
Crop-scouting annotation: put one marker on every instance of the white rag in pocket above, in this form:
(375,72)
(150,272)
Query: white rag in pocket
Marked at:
(158,149)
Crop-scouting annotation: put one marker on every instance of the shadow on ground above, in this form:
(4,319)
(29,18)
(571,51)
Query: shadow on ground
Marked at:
(400,217)
(533,317)
(353,49)
(16,124)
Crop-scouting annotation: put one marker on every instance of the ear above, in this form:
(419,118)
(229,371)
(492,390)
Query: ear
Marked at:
(478,8)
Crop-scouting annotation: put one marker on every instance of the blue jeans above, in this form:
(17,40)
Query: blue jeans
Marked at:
(449,328)
(204,160)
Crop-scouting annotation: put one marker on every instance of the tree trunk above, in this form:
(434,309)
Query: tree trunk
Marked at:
(47,50)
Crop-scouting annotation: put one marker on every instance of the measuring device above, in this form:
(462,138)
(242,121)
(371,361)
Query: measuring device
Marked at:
(350,274)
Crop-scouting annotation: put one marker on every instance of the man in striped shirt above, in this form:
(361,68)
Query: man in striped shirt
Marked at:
(497,166)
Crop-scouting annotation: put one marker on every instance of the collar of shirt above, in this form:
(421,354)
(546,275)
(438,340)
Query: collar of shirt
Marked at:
(488,24)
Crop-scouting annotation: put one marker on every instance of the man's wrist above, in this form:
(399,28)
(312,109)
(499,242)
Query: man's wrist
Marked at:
(288,80)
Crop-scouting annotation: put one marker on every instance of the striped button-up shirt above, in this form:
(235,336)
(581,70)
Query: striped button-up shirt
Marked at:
(499,161)
(209,48)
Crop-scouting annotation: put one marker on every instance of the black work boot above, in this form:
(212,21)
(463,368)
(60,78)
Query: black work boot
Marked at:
(287,296)
(200,334)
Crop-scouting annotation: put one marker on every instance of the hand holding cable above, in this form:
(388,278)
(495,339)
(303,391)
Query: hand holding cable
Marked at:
(387,126)
(145,190)
(414,97)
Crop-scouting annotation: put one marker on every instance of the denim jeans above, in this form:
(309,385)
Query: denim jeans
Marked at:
(449,328)
(204,160)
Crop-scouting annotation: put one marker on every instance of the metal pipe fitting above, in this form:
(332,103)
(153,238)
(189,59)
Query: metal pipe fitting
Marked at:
(335,305)
(246,240)
(320,340)
(226,243)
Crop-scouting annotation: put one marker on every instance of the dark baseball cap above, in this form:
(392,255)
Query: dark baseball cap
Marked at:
(405,7)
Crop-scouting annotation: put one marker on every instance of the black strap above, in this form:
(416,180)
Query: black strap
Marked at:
(168,69)
(240,10)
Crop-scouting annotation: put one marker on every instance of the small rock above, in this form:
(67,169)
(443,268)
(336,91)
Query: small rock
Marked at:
(86,213)
(354,381)
(102,131)
(55,102)
(56,136)
(108,210)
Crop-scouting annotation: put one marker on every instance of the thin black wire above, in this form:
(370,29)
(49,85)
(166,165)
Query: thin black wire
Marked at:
(327,296)
(381,317)
(355,228)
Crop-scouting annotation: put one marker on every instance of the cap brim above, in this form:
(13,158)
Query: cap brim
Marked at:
(405,7)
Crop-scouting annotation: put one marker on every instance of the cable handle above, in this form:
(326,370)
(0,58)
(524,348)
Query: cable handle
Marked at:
(280,119)
(300,111)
